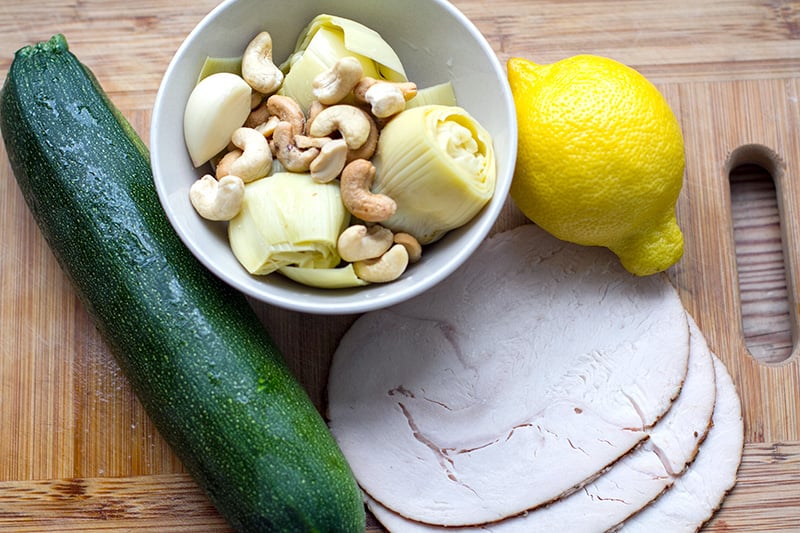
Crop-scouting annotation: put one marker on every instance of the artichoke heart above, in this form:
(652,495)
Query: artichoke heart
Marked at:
(437,163)
(288,219)
(327,39)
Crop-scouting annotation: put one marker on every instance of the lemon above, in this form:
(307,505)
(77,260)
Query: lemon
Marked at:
(600,160)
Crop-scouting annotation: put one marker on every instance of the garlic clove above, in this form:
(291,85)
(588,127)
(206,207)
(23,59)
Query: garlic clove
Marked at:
(217,106)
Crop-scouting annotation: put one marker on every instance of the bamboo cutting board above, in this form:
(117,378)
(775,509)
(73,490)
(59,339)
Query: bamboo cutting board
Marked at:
(77,452)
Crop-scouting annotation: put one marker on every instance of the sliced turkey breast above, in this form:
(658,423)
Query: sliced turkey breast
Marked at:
(630,484)
(699,492)
(518,379)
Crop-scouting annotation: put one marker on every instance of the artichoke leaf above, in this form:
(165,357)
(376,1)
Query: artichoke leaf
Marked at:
(215,65)
(324,278)
(325,40)
(439,94)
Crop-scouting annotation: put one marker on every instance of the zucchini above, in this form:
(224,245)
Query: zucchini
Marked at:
(195,353)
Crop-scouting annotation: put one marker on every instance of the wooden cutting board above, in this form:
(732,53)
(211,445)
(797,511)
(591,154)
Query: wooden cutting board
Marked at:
(77,451)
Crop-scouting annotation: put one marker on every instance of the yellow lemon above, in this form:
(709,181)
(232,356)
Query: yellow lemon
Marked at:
(600,159)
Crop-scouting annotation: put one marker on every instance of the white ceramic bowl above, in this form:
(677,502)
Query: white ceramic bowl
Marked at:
(435,42)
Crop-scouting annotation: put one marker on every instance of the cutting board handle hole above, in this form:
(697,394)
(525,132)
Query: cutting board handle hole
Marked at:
(760,261)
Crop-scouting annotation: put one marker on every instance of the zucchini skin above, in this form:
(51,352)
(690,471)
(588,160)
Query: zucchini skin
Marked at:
(195,353)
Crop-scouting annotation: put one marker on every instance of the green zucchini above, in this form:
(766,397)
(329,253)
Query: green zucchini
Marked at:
(195,353)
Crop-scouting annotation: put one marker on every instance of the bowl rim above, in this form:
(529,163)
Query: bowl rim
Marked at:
(309,302)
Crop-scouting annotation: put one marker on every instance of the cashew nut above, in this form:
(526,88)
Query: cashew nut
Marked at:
(292,123)
(355,184)
(304,141)
(330,87)
(387,267)
(367,149)
(385,98)
(313,110)
(256,98)
(268,128)
(258,116)
(287,110)
(217,200)
(413,247)
(256,159)
(351,122)
(330,162)
(223,167)
(291,156)
(359,242)
(258,70)
(408,88)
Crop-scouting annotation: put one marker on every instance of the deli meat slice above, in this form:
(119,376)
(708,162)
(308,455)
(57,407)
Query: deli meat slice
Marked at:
(630,484)
(695,497)
(517,380)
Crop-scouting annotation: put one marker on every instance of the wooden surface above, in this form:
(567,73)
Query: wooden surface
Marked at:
(77,452)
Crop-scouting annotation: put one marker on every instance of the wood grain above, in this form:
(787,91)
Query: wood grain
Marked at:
(760,264)
(77,452)
(767,493)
